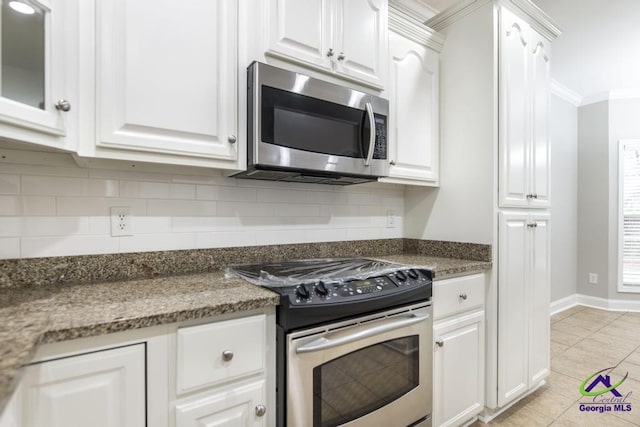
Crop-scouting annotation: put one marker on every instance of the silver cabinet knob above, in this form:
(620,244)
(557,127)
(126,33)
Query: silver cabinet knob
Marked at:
(261,410)
(440,343)
(392,162)
(532,224)
(341,56)
(534,195)
(232,139)
(63,105)
(463,297)
(330,53)
(227,355)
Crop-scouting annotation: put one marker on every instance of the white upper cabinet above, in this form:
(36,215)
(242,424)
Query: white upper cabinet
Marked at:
(524,109)
(345,38)
(413,119)
(38,100)
(166,82)
(301,31)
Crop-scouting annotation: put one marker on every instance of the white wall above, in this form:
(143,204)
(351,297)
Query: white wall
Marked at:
(564,192)
(51,207)
(593,199)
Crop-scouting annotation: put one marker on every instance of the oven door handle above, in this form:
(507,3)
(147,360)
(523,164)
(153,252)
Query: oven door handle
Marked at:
(327,341)
(372,133)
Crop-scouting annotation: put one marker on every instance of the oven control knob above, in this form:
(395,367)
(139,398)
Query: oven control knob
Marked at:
(401,276)
(302,292)
(321,289)
(413,274)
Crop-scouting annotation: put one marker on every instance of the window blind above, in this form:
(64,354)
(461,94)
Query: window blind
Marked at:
(631,213)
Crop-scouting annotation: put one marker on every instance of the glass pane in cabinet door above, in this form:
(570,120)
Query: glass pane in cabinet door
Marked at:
(22,52)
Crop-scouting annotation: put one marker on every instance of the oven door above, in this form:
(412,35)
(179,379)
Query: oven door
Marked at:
(373,371)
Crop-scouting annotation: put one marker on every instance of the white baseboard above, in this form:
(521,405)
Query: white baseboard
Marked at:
(595,302)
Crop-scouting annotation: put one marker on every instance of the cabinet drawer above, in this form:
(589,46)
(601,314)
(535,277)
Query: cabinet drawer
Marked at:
(456,295)
(221,351)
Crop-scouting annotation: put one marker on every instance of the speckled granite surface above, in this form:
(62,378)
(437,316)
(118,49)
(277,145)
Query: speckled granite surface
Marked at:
(438,248)
(33,316)
(35,272)
(38,305)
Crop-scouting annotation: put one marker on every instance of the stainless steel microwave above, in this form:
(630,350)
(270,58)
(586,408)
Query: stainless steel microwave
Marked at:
(303,129)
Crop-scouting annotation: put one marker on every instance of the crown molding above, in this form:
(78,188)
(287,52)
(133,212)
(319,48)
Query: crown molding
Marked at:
(411,28)
(611,96)
(565,93)
(415,8)
(539,20)
(454,13)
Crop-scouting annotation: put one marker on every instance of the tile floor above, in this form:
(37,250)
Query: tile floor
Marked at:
(583,341)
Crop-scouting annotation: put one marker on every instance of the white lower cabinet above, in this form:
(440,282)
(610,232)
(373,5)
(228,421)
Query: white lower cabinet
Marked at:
(218,373)
(101,389)
(231,407)
(459,344)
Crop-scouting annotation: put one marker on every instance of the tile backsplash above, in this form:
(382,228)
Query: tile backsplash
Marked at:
(62,209)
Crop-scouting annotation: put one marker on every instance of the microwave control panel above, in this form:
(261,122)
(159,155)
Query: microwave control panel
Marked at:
(380,151)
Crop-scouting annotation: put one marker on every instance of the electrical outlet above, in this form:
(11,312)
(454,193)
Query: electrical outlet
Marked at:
(593,278)
(391,220)
(121,221)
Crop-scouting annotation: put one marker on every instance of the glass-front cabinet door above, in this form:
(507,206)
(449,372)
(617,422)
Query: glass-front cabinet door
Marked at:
(36,65)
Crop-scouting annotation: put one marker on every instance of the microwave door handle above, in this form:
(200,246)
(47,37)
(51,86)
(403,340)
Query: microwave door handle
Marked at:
(325,342)
(372,133)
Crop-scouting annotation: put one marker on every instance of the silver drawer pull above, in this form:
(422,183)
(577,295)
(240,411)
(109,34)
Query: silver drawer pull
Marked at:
(63,105)
(227,355)
(440,343)
(463,297)
(261,410)
(232,139)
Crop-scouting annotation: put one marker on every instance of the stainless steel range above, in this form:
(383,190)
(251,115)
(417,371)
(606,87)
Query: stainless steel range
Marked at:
(354,341)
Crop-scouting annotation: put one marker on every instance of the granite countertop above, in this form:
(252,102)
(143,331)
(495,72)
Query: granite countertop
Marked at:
(35,315)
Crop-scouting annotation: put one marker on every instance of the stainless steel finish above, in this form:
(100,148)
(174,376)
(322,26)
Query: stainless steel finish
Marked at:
(261,410)
(335,339)
(440,343)
(227,355)
(63,105)
(330,53)
(270,155)
(341,56)
(463,297)
(372,133)
(232,139)
(534,195)
(405,410)
(392,162)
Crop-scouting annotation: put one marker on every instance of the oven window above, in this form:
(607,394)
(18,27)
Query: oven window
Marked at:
(361,382)
(304,123)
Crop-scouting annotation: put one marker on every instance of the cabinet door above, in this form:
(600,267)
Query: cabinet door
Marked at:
(36,66)
(513,120)
(458,368)
(413,119)
(539,299)
(300,30)
(166,77)
(540,104)
(360,40)
(101,389)
(235,407)
(513,345)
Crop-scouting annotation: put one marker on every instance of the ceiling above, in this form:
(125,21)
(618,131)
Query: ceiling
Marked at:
(599,48)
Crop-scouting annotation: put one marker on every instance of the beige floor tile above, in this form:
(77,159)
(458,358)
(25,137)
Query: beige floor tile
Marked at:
(567,335)
(603,344)
(573,417)
(634,357)
(631,318)
(564,385)
(529,416)
(601,316)
(631,368)
(624,330)
(557,348)
(579,364)
(587,324)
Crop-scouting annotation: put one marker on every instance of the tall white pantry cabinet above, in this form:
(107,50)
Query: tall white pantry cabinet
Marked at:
(495,97)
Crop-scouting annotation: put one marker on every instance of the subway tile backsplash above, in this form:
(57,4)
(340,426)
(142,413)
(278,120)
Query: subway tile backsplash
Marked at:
(49,210)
